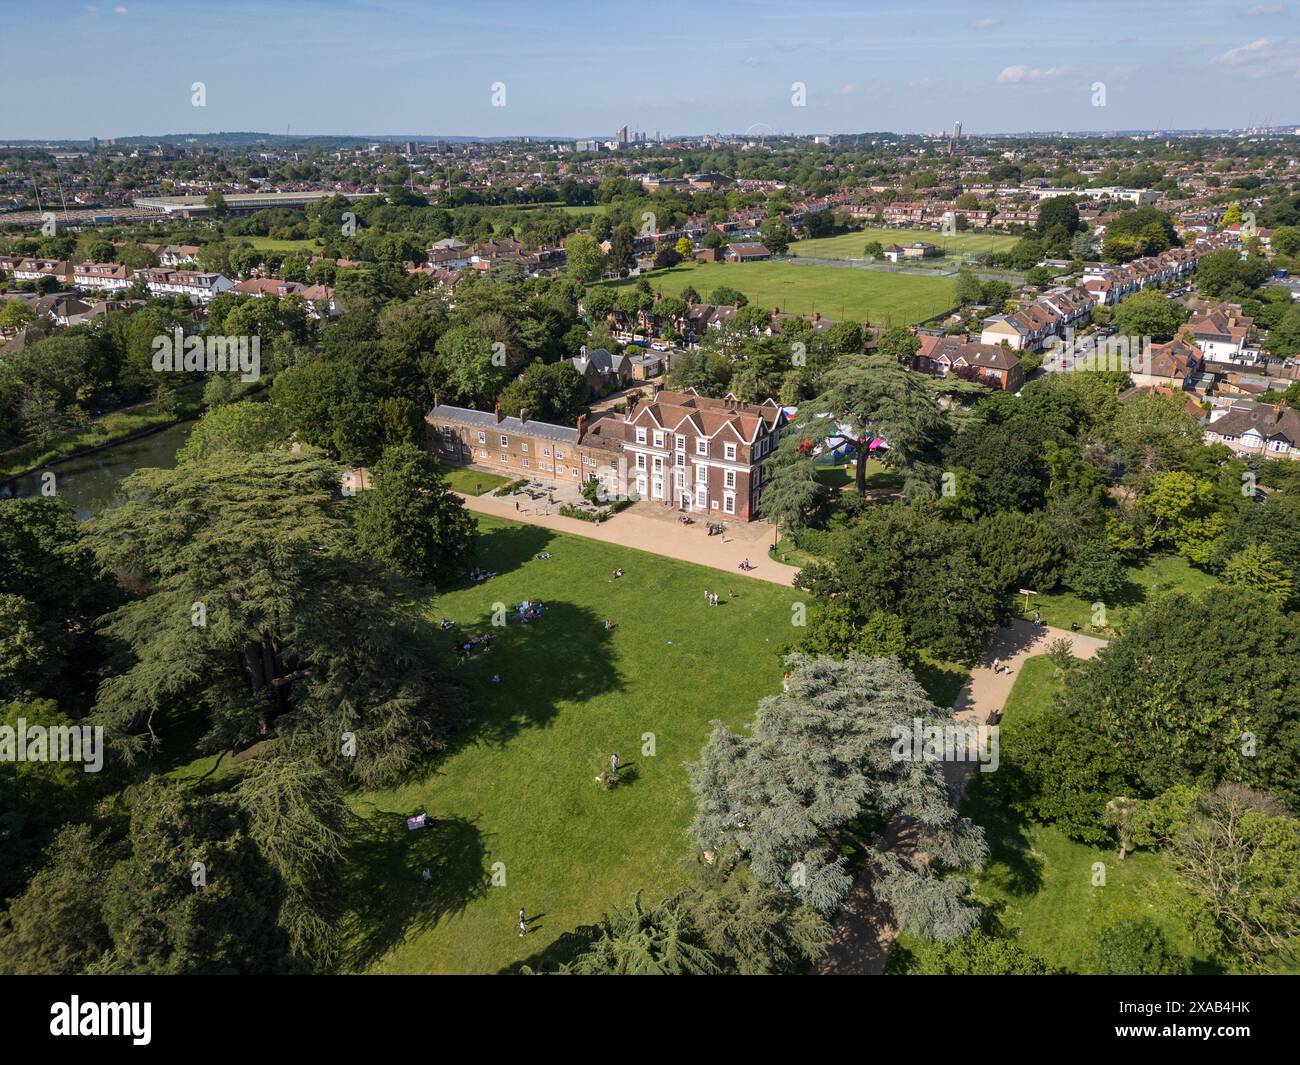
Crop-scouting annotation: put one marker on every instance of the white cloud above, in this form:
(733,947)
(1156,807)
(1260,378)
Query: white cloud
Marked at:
(1262,57)
(989,23)
(1266,9)
(1020,73)
(119,11)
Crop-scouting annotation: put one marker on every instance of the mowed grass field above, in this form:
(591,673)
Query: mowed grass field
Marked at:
(875,296)
(309,246)
(1041,883)
(516,797)
(850,245)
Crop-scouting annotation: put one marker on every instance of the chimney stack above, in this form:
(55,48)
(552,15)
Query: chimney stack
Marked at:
(523,412)
(582,427)
(497,412)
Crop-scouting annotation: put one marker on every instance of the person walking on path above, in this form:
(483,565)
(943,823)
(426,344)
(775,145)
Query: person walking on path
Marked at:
(523,925)
(613,763)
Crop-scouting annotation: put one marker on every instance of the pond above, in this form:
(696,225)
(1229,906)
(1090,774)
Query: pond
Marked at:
(90,482)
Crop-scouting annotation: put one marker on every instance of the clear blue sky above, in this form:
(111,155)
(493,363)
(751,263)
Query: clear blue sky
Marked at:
(681,66)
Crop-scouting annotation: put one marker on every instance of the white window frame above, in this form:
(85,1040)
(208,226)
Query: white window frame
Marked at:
(729,450)
(640,434)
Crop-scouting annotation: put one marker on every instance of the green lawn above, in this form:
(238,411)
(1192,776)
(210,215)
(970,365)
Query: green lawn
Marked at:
(271,244)
(850,245)
(519,787)
(1041,883)
(1159,574)
(471,482)
(881,298)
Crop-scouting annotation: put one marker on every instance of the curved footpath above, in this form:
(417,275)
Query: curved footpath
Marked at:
(657,530)
(865,930)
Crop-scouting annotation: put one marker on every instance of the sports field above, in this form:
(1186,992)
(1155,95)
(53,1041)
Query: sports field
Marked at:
(850,245)
(840,294)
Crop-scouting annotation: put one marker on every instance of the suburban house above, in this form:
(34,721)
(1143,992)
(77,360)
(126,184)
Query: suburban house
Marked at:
(179,255)
(701,454)
(989,364)
(1023,330)
(602,371)
(103,277)
(1220,332)
(1174,364)
(1257,429)
(199,286)
(316,296)
(35,269)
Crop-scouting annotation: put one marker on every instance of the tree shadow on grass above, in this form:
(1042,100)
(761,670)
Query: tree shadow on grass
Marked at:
(504,548)
(564,949)
(942,681)
(562,656)
(1011,866)
(388,896)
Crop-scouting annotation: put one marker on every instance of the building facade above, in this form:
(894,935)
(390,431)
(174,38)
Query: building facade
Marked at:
(699,454)
(679,449)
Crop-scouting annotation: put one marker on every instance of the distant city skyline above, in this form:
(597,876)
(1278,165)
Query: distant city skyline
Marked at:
(389,67)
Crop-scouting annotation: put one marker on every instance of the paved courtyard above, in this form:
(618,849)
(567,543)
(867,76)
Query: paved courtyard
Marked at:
(653,527)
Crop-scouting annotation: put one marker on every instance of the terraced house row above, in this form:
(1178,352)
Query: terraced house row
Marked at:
(1049,316)
(200,286)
